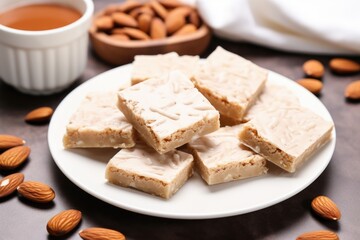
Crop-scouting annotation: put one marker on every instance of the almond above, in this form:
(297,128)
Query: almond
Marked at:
(9,141)
(318,235)
(104,23)
(186,29)
(325,208)
(313,68)
(344,66)
(159,9)
(313,85)
(101,234)
(38,115)
(128,5)
(184,10)
(14,157)
(352,90)
(174,21)
(9,184)
(144,22)
(120,37)
(157,29)
(135,13)
(124,19)
(63,222)
(170,3)
(36,191)
(135,33)
(110,9)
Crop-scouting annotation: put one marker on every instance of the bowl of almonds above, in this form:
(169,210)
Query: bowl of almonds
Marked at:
(121,31)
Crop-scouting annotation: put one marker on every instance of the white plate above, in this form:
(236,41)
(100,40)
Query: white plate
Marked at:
(195,200)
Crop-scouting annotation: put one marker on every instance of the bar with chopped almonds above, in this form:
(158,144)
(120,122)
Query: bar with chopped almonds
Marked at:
(153,66)
(168,111)
(98,123)
(286,136)
(231,83)
(220,157)
(146,170)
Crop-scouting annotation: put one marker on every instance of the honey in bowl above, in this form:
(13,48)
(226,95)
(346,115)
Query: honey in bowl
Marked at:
(39,17)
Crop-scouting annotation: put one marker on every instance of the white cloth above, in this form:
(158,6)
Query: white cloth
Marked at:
(310,26)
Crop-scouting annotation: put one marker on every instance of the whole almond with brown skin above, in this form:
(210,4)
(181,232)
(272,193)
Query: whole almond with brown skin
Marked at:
(157,29)
(14,157)
(9,141)
(174,21)
(313,85)
(313,68)
(124,19)
(63,222)
(120,37)
(144,22)
(104,23)
(135,33)
(135,13)
(318,235)
(36,191)
(38,115)
(186,29)
(326,208)
(9,184)
(344,66)
(101,234)
(352,90)
(159,9)
(170,3)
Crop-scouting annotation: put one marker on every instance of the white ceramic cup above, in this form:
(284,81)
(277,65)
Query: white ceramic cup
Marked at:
(45,62)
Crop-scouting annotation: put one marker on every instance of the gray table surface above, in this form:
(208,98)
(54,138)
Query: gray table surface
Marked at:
(341,179)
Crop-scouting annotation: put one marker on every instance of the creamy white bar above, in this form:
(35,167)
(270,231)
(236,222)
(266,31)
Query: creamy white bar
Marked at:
(144,169)
(220,157)
(168,111)
(271,99)
(231,83)
(98,123)
(286,136)
(154,66)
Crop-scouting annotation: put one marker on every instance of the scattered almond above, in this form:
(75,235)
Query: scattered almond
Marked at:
(36,191)
(101,234)
(318,235)
(352,90)
(63,222)
(38,115)
(344,66)
(313,68)
(14,157)
(326,208)
(104,23)
(124,19)
(9,184)
(313,85)
(9,141)
(157,29)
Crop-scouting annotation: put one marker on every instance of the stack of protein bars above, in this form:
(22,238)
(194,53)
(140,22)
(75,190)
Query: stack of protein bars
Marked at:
(177,102)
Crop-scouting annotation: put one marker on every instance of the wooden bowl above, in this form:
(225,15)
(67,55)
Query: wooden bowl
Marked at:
(117,52)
